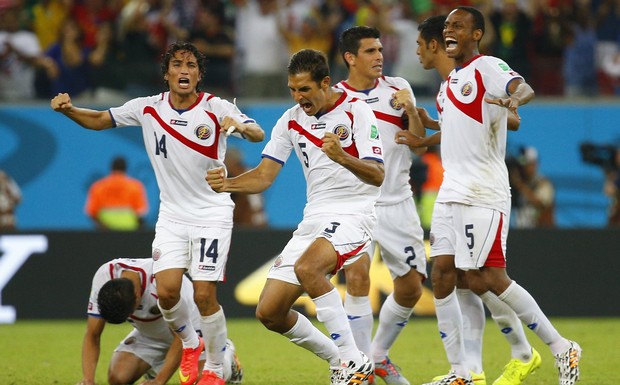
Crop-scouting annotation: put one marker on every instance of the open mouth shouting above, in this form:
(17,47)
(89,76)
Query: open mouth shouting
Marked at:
(184,83)
(451,45)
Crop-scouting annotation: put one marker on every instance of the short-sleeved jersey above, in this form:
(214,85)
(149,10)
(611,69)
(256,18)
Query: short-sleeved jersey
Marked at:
(147,318)
(182,145)
(473,135)
(331,188)
(391,118)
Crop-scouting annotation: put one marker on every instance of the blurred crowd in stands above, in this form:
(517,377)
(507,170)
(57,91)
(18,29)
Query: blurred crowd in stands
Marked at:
(111,48)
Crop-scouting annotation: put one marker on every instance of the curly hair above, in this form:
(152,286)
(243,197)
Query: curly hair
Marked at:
(117,300)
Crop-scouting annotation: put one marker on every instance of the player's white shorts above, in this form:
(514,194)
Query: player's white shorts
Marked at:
(400,238)
(476,236)
(150,350)
(349,234)
(203,251)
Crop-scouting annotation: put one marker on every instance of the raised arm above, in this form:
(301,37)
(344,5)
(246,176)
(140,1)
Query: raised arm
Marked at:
(415,126)
(253,181)
(367,170)
(85,117)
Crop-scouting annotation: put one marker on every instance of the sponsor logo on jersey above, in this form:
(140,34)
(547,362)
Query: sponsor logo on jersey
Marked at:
(395,105)
(372,100)
(342,131)
(206,268)
(156,254)
(454,81)
(503,66)
(178,122)
(467,89)
(318,126)
(203,132)
(376,150)
(374,132)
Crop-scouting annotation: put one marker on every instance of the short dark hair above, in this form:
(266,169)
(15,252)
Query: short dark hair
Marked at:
(183,46)
(117,300)
(432,28)
(349,40)
(119,164)
(476,15)
(311,61)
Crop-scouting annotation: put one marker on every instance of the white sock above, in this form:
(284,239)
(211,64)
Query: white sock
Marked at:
(510,325)
(392,320)
(450,323)
(214,332)
(177,318)
(330,311)
(474,320)
(359,313)
(307,336)
(530,314)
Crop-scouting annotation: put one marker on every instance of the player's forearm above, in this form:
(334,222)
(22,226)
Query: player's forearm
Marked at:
(90,357)
(368,171)
(523,93)
(253,132)
(90,119)
(250,182)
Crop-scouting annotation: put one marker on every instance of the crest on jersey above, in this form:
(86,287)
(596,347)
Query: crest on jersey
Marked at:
(467,89)
(395,105)
(342,131)
(278,261)
(203,132)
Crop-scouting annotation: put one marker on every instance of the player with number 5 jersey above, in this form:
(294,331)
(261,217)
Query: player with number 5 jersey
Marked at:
(185,133)
(336,140)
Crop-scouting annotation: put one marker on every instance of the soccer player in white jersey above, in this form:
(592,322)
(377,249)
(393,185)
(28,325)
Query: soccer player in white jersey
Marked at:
(122,290)
(471,213)
(337,142)
(398,232)
(445,276)
(184,133)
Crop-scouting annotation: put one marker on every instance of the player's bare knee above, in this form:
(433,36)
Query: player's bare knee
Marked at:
(270,320)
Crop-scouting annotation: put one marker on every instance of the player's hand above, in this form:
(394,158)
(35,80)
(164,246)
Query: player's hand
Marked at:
(230,125)
(402,98)
(216,177)
(510,103)
(61,102)
(409,138)
(331,147)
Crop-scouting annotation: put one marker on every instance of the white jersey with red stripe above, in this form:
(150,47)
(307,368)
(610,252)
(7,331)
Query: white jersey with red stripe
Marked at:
(331,188)
(473,135)
(147,318)
(182,145)
(391,118)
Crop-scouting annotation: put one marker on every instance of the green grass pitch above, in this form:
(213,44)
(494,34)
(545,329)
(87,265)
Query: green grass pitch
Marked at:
(48,352)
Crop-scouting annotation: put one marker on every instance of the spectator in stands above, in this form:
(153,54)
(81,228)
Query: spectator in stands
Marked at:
(47,19)
(117,202)
(91,14)
(312,34)
(218,46)
(20,56)
(578,65)
(10,196)
(430,187)
(68,69)
(249,208)
(535,193)
(512,26)
(261,50)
